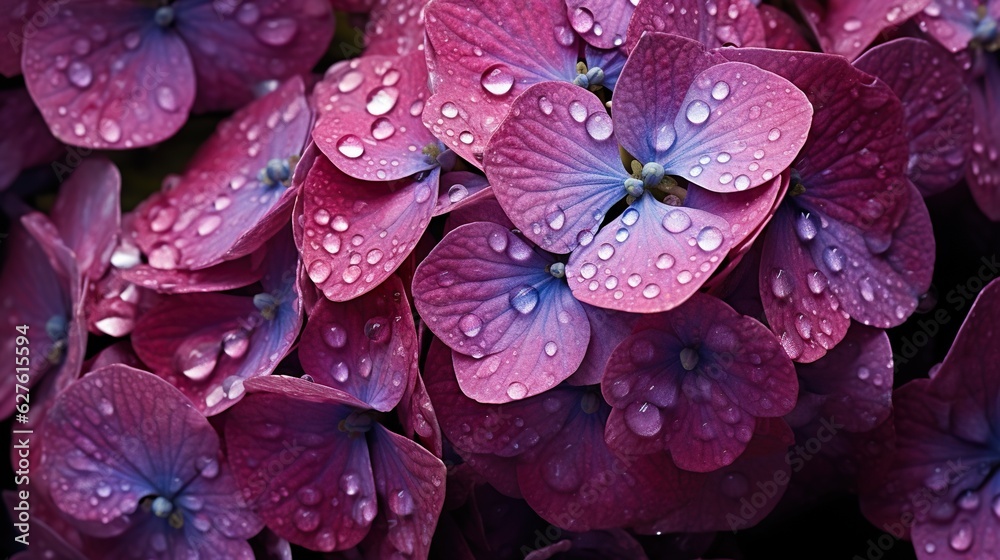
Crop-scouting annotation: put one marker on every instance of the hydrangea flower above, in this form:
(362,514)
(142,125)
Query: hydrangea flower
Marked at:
(344,478)
(136,469)
(941,488)
(693,118)
(236,192)
(126,74)
(847,27)
(853,240)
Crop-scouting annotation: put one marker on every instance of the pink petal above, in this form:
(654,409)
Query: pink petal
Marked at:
(473,92)
(236,46)
(417,416)
(397,28)
(847,27)
(88,214)
(33,144)
(366,347)
(106,77)
(983,173)
(781,31)
(650,258)
(356,233)
(459,189)
(293,423)
(712,24)
(952,23)
(602,23)
(369,117)
(559,131)
(221,208)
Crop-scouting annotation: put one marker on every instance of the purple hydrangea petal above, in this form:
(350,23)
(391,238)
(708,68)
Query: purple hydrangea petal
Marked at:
(33,144)
(951,22)
(712,24)
(13,26)
(608,328)
(601,23)
(294,424)
(554,165)
(610,61)
(234,194)
(409,482)
(983,173)
(83,82)
(854,177)
(695,379)
(650,258)
(504,430)
(397,28)
(781,31)
(88,215)
(936,104)
(356,233)
(236,46)
(800,308)
(739,127)
(473,92)
(366,347)
(486,209)
(577,462)
(650,90)
(851,385)
(369,117)
(459,189)
(718,498)
(224,276)
(120,435)
(489,295)
(208,344)
(877,284)
(847,27)
(418,417)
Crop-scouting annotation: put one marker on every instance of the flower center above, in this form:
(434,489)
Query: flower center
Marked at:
(653,178)
(164,16)
(267,304)
(163,508)
(358,423)
(689,358)
(278,172)
(557,270)
(57,327)
(588,77)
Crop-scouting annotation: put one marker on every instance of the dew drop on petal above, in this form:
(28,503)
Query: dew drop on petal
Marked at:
(578,111)
(676,221)
(517,390)
(350,146)
(720,91)
(524,299)
(470,325)
(497,79)
(709,238)
(599,126)
(697,112)
(644,419)
(382,100)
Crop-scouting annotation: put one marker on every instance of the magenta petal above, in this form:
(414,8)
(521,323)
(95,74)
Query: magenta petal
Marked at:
(520,44)
(748,213)
(417,416)
(847,27)
(88,214)
(696,379)
(855,177)
(781,31)
(608,328)
(756,124)
(651,258)
(236,46)
(800,308)
(410,486)
(602,23)
(459,189)
(224,276)
(226,204)
(489,295)
(356,233)
(505,430)
(577,483)
(875,284)
(554,165)
(937,106)
(88,99)
(983,173)
(713,24)
(650,90)
(397,28)
(851,385)
(294,423)
(951,22)
(369,117)
(366,347)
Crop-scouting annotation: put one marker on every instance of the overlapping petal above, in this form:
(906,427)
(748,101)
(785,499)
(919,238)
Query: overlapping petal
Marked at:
(713,24)
(847,27)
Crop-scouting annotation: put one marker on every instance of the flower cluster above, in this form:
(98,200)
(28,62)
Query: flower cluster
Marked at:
(501,279)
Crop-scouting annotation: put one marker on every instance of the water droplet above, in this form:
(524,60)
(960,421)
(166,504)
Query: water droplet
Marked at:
(582,20)
(742,182)
(774,134)
(517,390)
(556,219)
(676,221)
(961,536)
(382,100)
(697,112)
(382,128)
(470,325)
(664,261)
(497,79)
(852,24)
(524,299)
(805,227)
(449,110)
(350,484)
(199,362)
(235,343)
(208,224)
(833,258)
(80,74)
(816,281)
(865,287)
(781,284)
(720,91)
(350,146)
(110,131)
(578,111)
(644,419)
(319,271)
(164,256)
(709,238)
(684,276)
(350,81)
(277,32)
(599,126)
(497,241)
(551,348)
(605,251)
(545,105)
